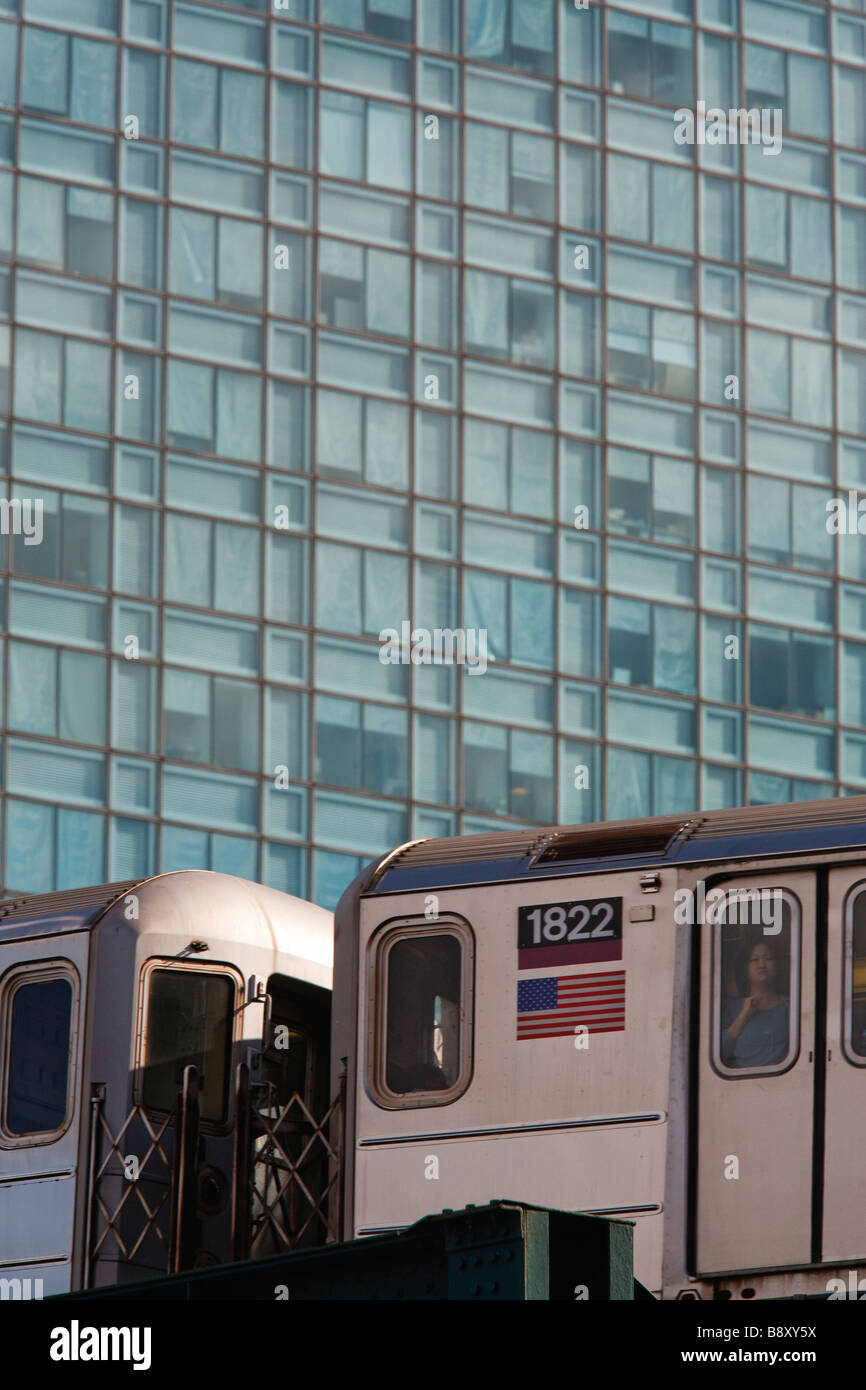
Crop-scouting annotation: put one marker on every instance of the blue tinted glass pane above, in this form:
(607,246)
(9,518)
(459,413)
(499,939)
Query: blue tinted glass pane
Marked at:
(45,75)
(93,75)
(132,849)
(242,114)
(86,14)
(183,849)
(82,708)
(32,689)
(8,65)
(30,847)
(143,95)
(238,416)
(80,848)
(230,854)
(290,137)
(332,875)
(195,109)
(342,121)
(146,19)
(283,868)
(343,14)
(487,30)
(87,391)
(224,36)
(190,406)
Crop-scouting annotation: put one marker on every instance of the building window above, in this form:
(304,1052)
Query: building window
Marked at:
(508,772)
(508,319)
(791,671)
(66,228)
(649,60)
(508,468)
(366,140)
(793,83)
(513,33)
(382,19)
(218,109)
(650,644)
(74,541)
(793,538)
(216,258)
(651,497)
(211,720)
(64,75)
(362,746)
(650,202)
(651,349)
(509,171)
(516,614)
(361,287)
(648,784)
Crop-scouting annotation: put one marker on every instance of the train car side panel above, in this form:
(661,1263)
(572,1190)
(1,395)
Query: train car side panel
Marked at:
(43,984)
(566,1098)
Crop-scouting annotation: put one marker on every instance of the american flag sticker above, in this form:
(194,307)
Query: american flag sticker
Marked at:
(552,1005)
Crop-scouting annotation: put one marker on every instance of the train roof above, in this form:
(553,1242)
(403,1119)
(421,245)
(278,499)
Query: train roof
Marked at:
(740,833)
(295,927)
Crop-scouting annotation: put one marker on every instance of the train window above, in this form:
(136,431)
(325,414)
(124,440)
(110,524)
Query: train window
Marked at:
(757,940)
(189,1023)
(38,1018)
(855,1010)
(424,983)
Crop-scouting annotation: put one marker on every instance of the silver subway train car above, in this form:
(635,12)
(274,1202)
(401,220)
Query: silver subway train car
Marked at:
(663,1020)
(113,998)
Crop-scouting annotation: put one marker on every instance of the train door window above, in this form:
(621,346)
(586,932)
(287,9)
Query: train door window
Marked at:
(37,1014)
(424,980)
(756,967)
(855,981)
(189,1023)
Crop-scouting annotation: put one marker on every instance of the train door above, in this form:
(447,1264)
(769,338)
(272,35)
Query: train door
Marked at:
(844,1190)
(290,1097)
(42,987)
(756,1075)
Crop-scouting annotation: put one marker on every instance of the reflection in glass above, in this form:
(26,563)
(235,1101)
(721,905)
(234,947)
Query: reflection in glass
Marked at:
(423,1019)
(858,978)
(39,1039)
(755,980)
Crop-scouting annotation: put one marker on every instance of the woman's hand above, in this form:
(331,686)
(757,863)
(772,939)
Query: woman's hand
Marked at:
(750,1005)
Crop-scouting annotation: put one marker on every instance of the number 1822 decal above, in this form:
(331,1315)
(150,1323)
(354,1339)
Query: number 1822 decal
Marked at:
(556,933)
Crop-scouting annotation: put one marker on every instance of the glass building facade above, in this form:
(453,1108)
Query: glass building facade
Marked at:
(322,316)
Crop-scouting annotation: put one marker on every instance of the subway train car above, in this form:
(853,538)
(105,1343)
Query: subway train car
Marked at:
(663,1020)
(112,997)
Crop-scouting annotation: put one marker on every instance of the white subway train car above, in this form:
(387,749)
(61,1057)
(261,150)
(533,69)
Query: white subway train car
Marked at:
(663,1020)
(107,996)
